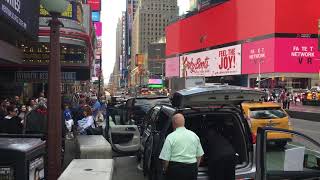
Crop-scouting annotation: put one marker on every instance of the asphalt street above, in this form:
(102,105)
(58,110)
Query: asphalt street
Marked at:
(308,128)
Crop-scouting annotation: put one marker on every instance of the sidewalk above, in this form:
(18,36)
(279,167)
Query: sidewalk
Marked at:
(304,112)
(304,108)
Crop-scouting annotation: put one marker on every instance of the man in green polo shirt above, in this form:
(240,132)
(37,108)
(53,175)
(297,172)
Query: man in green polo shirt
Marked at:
(181,152)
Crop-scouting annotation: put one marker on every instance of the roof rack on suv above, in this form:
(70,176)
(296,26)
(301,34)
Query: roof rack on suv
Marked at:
(216,94)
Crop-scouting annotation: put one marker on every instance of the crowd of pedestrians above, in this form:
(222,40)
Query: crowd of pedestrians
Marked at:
(13,112)
(283,96)
(85,116)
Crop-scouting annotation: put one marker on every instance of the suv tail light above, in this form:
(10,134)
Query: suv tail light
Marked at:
(254,138)
(249,122)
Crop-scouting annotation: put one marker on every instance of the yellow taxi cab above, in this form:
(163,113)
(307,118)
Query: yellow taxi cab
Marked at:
(268,114)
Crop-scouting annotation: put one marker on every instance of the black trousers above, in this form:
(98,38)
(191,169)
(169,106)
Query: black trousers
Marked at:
(222,169)
(182,171)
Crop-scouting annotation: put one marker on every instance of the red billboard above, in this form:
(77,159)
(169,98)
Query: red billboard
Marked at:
(237,20)
(98,28)
(258,53)
(297,55)
(95,5)
(281,55)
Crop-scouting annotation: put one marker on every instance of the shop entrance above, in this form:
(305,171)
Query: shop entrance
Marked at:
(281,82)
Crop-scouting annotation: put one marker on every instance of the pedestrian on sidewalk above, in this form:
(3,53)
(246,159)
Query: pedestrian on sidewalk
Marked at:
(67,116)
(11,123)
(3,109)
(181,152)
(87,121)
(22,113)
(288,97)
(283,99)
(31,105)
(95,106)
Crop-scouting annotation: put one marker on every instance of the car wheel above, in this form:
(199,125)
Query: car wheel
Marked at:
(281,144)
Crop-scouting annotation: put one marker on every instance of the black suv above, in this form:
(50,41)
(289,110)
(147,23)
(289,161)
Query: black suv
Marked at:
(217,107)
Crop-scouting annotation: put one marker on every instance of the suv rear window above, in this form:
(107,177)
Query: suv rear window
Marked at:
(267,113)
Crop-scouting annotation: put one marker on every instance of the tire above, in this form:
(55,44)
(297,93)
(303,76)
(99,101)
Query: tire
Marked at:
(281,144)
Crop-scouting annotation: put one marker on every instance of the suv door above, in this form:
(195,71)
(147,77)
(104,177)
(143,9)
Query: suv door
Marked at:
(148,137)
(123,138)
(299,159)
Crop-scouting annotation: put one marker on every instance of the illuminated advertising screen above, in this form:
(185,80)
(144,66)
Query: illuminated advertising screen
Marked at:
(155,81)
(217,62)
(95,5)
(95,16)
(98,28)
(73,11)
(36,169)
(6,173)
(155,86)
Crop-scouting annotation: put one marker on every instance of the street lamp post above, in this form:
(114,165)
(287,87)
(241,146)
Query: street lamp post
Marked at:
(55,8)
(259,73)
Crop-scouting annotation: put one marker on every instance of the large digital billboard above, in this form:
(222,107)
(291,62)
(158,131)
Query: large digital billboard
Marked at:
(95,5)
(98,28)
(22,15)
(217,62)
(95,16)
(282,55)
(172,67)
(74,11)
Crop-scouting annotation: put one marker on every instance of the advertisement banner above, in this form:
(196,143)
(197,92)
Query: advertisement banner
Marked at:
(36,169)
(95,16)
(43,57)
(42,76)
(95,5)
(96,70)
(258,53)
(297,55)
(74,11)
(155,81)
(139,60)
(172,67)
(98,28)
(22,14)
(217,62)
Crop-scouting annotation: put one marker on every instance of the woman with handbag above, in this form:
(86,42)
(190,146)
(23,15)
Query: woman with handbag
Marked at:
(87,122)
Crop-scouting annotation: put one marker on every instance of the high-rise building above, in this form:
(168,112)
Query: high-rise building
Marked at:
(120,52)
(130,12)
(150,20)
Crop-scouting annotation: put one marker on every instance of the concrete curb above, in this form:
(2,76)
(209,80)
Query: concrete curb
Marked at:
(309,116)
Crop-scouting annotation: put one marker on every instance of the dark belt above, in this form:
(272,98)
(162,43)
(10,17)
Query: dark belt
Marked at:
(187,171)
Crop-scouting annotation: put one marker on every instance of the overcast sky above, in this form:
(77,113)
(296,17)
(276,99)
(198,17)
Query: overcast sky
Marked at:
(111,12)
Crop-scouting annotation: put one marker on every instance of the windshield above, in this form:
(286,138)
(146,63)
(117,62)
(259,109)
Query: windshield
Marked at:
(267,113)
